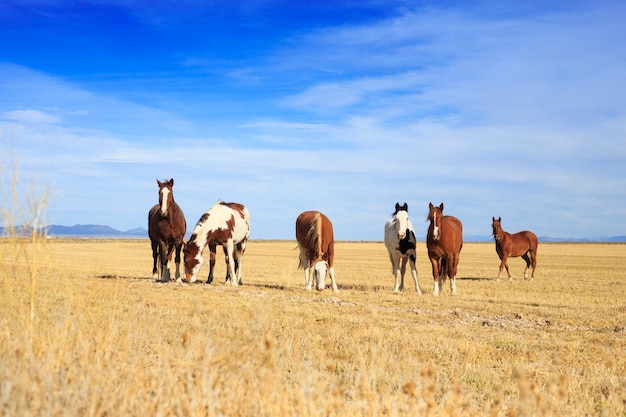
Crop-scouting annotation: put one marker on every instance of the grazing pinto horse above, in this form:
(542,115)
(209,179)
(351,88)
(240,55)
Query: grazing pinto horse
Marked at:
(400,243)
(225,224)
(522,244)
(444,242)
(314,233)
(166,228)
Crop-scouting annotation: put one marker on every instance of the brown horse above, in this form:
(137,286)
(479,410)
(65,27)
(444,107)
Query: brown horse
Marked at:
(522,244)
(166,228)
(314,233)
(444,242)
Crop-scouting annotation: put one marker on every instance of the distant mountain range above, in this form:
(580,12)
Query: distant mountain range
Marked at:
(86,231)
(107,232)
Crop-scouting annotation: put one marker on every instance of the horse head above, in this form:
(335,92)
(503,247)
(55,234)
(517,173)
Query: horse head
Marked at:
(401,215)
(192,259)
(434,215)
(496,228)
(165,196)
(319,272)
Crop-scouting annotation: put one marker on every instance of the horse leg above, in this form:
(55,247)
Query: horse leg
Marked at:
(179,247)
(435,265)
(165,271)
(396,273)
(226,262)
(237,260)
(242,249)
(526,257)
(533,259)
(212,251)
(452,272)
(306,265)
(155,257)
(504,264)
(331,273)
(231,265)
(414,273)
(443,272)
(402,272)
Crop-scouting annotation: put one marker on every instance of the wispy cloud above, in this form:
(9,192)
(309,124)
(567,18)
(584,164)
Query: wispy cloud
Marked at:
(521,116)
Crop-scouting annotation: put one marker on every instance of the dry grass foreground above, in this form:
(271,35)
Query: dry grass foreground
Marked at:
(85,331)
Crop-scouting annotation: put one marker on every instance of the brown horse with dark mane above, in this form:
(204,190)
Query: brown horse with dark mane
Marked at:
(444,242)
(512,245)
(166,228)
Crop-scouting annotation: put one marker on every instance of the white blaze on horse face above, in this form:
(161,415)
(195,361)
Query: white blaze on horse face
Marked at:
(402,219)
(165,192)
(319,269)
(435,227)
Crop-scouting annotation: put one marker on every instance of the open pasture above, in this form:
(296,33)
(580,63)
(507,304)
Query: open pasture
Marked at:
(85,330)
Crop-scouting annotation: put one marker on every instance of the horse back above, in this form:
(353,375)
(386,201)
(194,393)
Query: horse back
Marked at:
(314,233)
(527,239)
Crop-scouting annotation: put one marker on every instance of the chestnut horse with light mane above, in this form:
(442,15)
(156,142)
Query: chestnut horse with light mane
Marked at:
(166,228)
(314,233)
(512,245)
(444,241)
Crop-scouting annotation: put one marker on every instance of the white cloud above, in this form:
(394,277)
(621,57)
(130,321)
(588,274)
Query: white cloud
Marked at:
(522,118)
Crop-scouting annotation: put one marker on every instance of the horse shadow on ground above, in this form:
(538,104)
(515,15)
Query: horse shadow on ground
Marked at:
(476,279)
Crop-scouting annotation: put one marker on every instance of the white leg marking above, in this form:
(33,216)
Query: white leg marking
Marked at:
(331,272)
(417,286)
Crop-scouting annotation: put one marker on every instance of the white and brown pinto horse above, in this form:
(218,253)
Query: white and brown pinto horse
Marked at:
(225,224)
(314,233)
(166,228)
(512,245)
(400,243)
(444,241)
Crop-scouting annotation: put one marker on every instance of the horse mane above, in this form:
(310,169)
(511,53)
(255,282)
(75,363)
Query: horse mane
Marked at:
(314,235)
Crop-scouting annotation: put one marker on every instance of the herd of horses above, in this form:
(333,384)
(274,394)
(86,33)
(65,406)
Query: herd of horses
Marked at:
(228,225)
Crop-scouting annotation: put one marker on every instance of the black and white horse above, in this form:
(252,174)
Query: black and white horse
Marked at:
(400,243)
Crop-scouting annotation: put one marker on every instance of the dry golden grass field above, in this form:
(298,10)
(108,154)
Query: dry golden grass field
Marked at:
(86,331)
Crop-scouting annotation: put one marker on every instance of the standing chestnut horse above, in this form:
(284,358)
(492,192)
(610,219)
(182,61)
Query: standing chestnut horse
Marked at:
(444,242)
(166,228)
(314,233)
(522,244)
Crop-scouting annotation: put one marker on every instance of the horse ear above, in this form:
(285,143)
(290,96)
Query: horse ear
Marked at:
(406,206)
(159,183)
(171,182)
(499,219)
(430,205)
(441,206)
(493,219)
(397,207)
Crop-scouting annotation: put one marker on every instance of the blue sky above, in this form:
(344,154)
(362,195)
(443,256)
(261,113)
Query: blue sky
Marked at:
(494,108)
